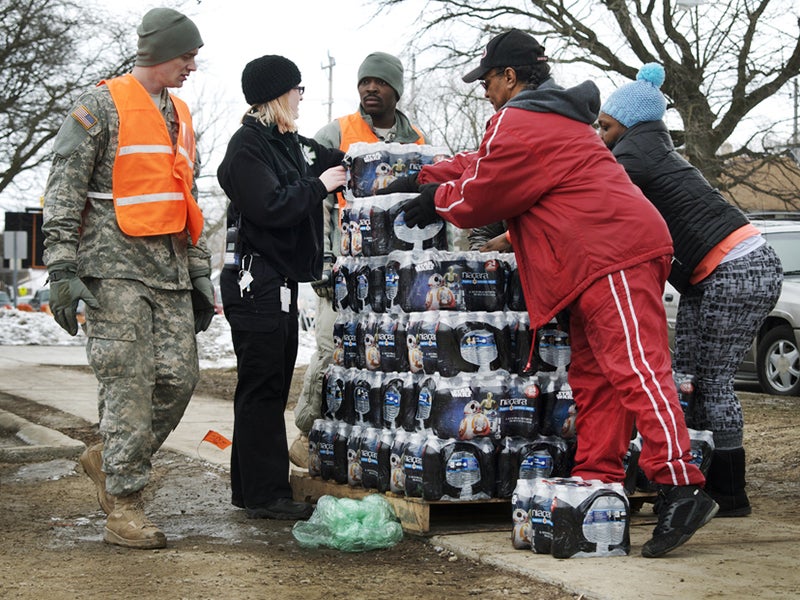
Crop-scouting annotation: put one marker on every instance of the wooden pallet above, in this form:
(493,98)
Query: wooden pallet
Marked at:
(417,516)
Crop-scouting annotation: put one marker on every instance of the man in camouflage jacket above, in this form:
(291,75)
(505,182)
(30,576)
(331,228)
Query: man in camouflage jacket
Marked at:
(146,295)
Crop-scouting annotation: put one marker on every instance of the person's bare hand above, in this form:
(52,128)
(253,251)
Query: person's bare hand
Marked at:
(333,178)
(498,244)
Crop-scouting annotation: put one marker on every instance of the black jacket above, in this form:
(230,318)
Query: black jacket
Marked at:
(272,181)
(697,215)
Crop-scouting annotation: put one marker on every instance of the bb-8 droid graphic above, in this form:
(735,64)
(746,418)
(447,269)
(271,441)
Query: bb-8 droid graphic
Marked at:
(439,295)
(475,423)
(414,353)
(521,531)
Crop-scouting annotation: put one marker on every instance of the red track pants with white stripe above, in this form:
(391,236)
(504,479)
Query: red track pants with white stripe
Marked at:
(621,374)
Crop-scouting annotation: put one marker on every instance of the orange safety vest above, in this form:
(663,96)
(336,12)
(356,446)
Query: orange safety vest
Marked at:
(355,129)
(151,179)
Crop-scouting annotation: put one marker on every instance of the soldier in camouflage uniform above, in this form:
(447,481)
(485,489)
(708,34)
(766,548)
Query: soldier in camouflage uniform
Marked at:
(146,295)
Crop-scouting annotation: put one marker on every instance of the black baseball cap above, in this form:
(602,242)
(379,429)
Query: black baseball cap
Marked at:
(514,48)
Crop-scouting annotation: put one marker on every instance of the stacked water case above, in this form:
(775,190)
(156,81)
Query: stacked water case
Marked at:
(437,389)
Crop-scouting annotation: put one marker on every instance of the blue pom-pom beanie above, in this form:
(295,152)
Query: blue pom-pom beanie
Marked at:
(640,100)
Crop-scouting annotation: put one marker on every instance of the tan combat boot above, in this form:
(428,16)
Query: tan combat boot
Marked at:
(298,451)
(92,462)
(128,526)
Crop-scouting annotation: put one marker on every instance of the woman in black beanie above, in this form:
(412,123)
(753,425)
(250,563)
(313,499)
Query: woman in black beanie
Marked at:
(275,180)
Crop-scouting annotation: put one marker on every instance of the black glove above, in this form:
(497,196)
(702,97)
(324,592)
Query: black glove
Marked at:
(324,285)
(421,210)
(407,185)
(65,291)
(202,302)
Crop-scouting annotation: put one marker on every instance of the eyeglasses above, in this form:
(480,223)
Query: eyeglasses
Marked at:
(301,89)
(485,82)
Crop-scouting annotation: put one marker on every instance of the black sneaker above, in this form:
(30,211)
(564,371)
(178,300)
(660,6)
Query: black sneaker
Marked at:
(281,508)
(682,510)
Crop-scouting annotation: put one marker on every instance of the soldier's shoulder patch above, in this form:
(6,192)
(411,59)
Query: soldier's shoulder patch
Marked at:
(82,115)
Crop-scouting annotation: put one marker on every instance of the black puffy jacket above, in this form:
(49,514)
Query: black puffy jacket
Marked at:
(697,215)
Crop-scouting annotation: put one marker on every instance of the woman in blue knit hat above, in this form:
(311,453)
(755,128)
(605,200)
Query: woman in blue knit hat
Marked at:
(728,276)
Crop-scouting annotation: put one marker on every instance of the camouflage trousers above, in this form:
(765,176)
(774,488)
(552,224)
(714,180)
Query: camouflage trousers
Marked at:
(143,351)
(309,404)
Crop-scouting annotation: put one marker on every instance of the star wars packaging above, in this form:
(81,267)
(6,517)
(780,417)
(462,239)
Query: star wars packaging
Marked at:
(515,298)
(553,348)
(521,500)
(340,438)
(338,338)
(421,282)
(397,477)
(364,389)
(358,284)
(337,404)
(520,458)
(377,281)
(469,342)
(398,405)
(521,408)
(373,166)
(421,345)
(341,289)
(354,456)
(314,437)
(412,464)
(385,442)
(458,470)
(425,387)
(326,439)
(349,333)
(558,407)
(457,411)
(368,450)
(391,284)
(483,278)
(590,519)
(391,341)
(369,355)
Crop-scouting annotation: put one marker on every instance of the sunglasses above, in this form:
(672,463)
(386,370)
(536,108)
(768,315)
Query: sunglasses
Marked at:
(301,89)
(485,82)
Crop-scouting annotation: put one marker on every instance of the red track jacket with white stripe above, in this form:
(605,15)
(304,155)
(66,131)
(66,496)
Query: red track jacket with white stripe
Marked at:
(573,213)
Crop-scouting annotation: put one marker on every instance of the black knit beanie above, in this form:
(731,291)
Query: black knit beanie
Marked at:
(268,77)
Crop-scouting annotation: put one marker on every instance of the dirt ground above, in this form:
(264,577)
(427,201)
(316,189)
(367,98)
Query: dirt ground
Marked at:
(52,529)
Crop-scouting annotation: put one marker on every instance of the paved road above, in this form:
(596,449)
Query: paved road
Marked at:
(729,558)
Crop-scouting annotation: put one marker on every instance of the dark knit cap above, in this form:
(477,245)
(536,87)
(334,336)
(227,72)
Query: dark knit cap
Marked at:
(381,65)
(268,77)
(165,34)
(514,48)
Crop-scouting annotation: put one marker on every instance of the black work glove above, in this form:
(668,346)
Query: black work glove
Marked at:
(202,302)
(407,185)
(421,210)
(65,291)
(324,285)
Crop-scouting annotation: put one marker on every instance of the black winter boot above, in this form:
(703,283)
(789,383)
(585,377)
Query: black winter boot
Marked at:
(725,483)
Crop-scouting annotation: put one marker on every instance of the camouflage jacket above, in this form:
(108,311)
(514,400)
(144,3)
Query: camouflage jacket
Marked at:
(77,228)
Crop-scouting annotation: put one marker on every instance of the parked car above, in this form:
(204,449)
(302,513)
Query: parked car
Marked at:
(5,300)
(774,357)
(41,300)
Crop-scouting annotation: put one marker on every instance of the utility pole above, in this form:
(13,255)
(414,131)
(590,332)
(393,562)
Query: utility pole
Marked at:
(329,66)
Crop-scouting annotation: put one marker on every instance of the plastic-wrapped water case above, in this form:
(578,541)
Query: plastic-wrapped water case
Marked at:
(520,514)
(590,519)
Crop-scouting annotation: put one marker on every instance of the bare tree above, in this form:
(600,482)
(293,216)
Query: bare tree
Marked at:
(50,50)
(723,59)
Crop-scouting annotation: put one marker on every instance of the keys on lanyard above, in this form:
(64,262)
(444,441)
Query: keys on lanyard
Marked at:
(245,276)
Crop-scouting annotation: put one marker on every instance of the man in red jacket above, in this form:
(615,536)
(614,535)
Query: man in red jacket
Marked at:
(588,241)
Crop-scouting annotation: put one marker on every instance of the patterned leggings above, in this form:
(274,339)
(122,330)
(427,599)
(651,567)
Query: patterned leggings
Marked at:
(716,323)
